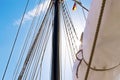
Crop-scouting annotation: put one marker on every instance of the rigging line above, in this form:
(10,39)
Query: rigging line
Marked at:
(45,45)
(71,36)
(69,16)
(34,59)
(94,68)
(66,37)
(25,44)
(81,5)
(69,54)
(95,38)
(34,62)
(67,34)
(65,67)
(68,5)
(28,56)
(70,22)
(29,63)
(39,20)
(53,12)
(36,48)
(37,62)
(83,12)
(65,31)
(65,62)
(38,23)
(71,45)
(104,69)
(66,21)
(69,57)
(42,51)
(15,40)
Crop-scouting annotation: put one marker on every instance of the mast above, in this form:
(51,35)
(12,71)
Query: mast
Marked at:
(55,71)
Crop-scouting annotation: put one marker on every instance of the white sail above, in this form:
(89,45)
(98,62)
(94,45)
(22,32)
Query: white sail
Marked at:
(105,63)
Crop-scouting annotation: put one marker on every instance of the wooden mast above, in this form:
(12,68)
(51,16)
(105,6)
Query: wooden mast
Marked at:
(55,71)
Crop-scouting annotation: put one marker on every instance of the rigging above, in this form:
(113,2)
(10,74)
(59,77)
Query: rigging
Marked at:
(15,40)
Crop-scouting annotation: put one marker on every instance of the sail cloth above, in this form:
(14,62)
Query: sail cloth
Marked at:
(105,29)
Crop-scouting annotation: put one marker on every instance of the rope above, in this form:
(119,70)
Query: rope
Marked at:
(72,26)
(15,40)
(95,39)
(32,57)
(37,52)
(28,56)
(93,68)
(72,39)
(67,38)
(68,13)
(42,50)
(47,37)
(65,65)
(67,34)
(25,44)
(83,11)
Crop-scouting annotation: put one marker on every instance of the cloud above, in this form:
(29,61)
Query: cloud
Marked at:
(32,13)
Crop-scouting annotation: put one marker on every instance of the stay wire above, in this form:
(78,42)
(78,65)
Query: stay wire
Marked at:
(40,51)
(68,46)
(64,65)
(35,18)
(67,29)
(67,49)
(69,16)
(67,34)
(25,44)
(38,23)
(15,40)
(95,38)
(34,58)
(70,33)
(71,27)
(39,73)
(36,47)
(43,50)
(28,56)
(83,12)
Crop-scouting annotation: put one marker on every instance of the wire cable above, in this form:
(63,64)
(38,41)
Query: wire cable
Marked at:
(95,38)
(29,54)
(15,40)
(35,52)
(25,43)
(67,35)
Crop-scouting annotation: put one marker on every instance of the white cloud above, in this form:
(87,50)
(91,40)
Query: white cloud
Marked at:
(31,13)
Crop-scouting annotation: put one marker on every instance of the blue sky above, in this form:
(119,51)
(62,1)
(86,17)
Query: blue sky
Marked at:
(11,11)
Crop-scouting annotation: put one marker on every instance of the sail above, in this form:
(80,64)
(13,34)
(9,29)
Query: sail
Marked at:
(101,39)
